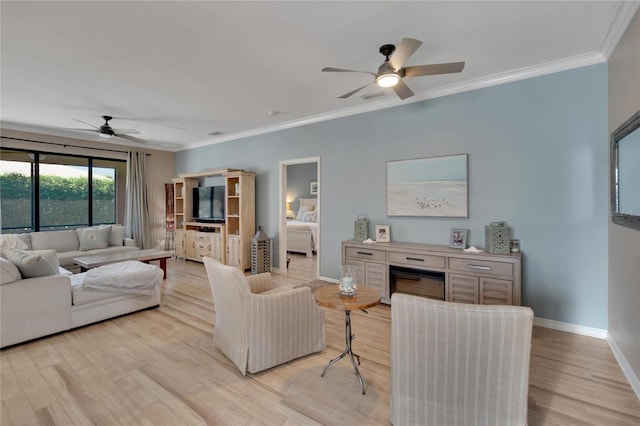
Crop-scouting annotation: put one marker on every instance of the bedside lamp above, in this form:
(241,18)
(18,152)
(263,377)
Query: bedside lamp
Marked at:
(289,212)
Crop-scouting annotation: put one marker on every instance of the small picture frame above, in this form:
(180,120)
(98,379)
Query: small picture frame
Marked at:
(383,234)
(458,239)
(313,188)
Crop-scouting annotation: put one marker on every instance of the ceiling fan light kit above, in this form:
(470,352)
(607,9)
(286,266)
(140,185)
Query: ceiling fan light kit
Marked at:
(392,71)
(388,80)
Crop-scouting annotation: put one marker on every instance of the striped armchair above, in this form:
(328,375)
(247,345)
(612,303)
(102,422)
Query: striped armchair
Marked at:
(458,364)
(259,325)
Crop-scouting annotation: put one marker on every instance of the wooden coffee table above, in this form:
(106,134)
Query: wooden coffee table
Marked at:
(330,297)
(146,256)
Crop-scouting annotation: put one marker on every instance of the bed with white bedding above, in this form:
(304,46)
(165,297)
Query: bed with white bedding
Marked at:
(302,232)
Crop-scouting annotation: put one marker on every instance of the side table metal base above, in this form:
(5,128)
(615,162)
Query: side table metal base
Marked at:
(347,351)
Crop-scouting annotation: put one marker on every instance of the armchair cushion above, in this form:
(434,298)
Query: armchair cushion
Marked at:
(454,363)
(259,325)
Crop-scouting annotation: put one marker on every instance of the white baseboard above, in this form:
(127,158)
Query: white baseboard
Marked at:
(571,328)
(631,376)
(332,280)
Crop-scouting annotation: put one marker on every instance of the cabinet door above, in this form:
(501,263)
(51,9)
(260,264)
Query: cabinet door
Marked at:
(496,292)
(462,289)
(179,243)
(233,250)
(357,266)
(376,277)
(190,244)
(215,245)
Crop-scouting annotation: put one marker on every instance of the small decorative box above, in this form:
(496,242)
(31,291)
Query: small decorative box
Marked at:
(497,238)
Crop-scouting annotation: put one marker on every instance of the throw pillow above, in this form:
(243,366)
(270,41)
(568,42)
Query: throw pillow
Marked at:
(33,264)
(8,271)
(116,237)
(8,241)
(92,238)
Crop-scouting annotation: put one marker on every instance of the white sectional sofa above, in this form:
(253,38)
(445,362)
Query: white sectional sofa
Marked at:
(79,242)
(44,305)
(52,299)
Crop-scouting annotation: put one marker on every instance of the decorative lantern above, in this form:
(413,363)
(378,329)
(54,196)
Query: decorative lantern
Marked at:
(497,238)
(260,253)
(361,228)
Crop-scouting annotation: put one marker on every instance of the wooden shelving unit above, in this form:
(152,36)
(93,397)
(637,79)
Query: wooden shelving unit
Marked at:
(234,236)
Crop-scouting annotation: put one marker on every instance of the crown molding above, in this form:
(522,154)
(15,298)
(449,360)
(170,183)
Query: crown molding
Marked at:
(626,12)
(465,86)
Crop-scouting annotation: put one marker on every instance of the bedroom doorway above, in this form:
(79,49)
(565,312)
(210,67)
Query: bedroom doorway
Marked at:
(299,248)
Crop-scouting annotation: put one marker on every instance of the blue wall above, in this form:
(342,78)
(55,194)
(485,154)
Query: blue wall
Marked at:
(538,159)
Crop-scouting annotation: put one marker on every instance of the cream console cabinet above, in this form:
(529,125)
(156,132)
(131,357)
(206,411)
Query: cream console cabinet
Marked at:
(481,278)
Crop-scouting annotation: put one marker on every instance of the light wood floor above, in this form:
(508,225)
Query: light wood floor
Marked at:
(160,367)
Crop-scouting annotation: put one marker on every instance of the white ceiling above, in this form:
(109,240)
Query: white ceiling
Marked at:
(177,71)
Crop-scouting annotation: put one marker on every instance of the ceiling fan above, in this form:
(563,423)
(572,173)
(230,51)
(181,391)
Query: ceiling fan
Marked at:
(391,73)
(106,131)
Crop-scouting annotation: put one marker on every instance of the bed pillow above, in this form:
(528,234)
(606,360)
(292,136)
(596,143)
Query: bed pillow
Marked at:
(32,264)
(94,238)
(310,217)
(304,208)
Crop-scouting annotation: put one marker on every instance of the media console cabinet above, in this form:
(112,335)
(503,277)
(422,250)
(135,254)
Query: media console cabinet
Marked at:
(481,278)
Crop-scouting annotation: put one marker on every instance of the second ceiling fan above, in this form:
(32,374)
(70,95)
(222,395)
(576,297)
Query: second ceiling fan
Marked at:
(106,131)
(392,71)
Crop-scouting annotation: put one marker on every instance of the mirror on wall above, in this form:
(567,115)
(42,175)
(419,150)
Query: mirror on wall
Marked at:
(625,173)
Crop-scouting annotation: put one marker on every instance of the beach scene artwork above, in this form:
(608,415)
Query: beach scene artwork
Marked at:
(428,187)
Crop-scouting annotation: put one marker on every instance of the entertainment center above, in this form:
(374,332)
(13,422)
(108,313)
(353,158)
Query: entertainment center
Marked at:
(215,220)
(436,271)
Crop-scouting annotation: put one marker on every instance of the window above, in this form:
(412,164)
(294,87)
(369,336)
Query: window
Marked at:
(45,191)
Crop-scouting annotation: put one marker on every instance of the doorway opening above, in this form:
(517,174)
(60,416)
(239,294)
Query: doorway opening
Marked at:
(300,188)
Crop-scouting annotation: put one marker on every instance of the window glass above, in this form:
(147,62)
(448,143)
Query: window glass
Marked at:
(63,192)
(107,176)
(16,191)
(42,191)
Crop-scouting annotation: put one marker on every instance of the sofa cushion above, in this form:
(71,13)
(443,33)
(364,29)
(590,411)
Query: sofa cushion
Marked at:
(8,241)
(116,237)
(9,272)
(32,264)
(59,241)
(94,238)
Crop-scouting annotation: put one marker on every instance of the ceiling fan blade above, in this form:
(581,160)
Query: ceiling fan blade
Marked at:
(402,90)
(403,52)
(88,124)
(84,130)
(346,95)
(130,138)
(433,69)
(331,69)
(126,131)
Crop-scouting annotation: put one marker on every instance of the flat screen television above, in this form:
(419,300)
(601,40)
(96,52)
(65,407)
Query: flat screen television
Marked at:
(208,204)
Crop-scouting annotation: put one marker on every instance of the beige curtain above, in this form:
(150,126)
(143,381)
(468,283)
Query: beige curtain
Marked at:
(137,208)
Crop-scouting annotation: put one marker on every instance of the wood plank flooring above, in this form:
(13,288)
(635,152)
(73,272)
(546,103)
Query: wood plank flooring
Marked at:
(160,367)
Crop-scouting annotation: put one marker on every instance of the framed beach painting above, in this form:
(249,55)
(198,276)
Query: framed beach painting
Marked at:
(436,187)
